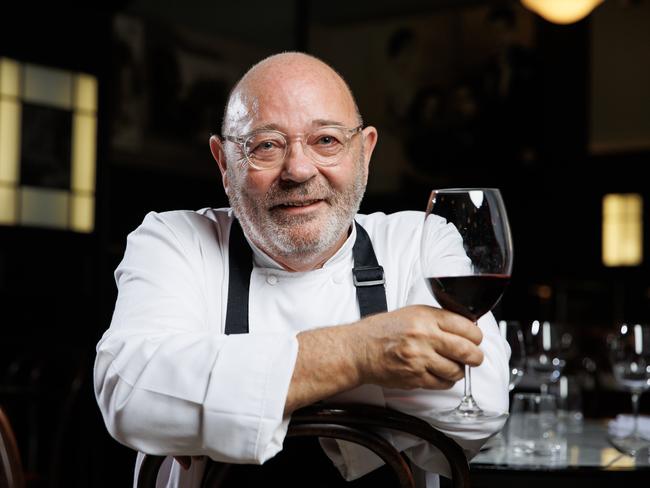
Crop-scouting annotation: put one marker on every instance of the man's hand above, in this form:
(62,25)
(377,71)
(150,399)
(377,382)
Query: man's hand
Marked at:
(413,347)
(418,347)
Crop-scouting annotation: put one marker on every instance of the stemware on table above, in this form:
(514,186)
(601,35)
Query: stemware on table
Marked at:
(629,351)
(546,357)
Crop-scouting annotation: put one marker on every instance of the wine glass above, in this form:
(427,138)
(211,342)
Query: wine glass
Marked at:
(466,259)
(512,332)
(629,353)
(546,359)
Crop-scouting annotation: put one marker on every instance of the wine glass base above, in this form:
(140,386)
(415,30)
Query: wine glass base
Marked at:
(497,441)
(629,445)
(475,415)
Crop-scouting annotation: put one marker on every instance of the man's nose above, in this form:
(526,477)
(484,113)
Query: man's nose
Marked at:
(298,166)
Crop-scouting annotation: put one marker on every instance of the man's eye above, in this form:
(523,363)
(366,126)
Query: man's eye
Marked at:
(265,146)
(327,141)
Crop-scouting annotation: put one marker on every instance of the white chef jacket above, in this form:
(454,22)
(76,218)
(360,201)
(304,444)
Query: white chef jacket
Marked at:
(169,381)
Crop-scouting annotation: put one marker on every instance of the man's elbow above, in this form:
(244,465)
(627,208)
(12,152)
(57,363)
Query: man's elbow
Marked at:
(114,407)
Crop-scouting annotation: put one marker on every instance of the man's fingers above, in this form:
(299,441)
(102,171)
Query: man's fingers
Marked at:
(458,349)
(446,370)
(459,325)
(433,382)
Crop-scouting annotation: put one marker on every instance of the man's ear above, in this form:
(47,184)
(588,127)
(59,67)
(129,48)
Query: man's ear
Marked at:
(369,142)
(216,148)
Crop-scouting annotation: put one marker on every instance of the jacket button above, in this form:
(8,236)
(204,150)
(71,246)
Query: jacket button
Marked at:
(272,279)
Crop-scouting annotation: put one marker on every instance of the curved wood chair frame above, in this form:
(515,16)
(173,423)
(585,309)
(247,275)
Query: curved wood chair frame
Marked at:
(11,469)
(354,423)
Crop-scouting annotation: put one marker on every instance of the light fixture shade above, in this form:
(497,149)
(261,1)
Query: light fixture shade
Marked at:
(562,11)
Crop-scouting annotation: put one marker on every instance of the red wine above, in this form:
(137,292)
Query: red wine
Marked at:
(470,296)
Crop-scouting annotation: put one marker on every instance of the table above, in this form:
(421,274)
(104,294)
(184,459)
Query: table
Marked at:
(587,460)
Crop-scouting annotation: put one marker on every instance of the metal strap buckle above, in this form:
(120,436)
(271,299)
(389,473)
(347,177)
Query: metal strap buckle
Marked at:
(368,276)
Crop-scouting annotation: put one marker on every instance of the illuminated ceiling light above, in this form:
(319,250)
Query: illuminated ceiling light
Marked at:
(622,230)
(562,11)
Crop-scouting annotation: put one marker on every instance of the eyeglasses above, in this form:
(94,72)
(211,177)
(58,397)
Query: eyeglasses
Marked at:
(266,149)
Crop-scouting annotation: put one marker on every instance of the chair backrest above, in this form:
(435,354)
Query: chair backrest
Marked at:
(355,423)
(11,470)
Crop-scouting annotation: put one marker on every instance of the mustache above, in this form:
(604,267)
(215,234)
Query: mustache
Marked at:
(286,191)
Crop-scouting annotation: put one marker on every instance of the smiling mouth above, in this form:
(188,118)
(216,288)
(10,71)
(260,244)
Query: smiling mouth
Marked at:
(300,203)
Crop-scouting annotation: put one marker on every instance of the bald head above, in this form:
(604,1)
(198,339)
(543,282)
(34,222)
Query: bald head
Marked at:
(282,75)
(298,212)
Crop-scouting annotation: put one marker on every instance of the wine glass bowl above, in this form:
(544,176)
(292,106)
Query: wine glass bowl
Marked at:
(466,260)
(630,357)
(547,347)
(629,353)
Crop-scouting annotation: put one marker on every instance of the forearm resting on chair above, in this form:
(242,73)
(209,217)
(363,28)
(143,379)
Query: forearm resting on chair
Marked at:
(413,347)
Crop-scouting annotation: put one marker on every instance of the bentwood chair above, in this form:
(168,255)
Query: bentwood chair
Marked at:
(355,423)
(11,469)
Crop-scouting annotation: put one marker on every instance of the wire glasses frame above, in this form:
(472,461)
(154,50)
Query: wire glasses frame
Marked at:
(267,149)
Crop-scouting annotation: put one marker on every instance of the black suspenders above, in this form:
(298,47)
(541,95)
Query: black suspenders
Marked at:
(367,274)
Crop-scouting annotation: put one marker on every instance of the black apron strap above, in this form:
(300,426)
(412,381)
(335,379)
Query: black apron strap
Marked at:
(367,274)
(240,262)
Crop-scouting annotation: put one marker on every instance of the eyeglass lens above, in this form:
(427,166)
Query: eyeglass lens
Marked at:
(325,146)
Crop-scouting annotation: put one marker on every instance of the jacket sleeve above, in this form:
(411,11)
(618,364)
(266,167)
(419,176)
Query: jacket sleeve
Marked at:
(167,380)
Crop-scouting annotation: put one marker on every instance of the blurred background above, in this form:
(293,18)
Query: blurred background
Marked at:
(105,115)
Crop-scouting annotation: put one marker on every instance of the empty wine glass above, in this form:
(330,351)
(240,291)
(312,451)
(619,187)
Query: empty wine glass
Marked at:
(629,353)
(548,343)
(512,332)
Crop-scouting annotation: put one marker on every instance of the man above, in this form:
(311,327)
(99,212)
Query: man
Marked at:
(172,378)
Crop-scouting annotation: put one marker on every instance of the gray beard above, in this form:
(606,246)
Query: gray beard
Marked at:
(301,236)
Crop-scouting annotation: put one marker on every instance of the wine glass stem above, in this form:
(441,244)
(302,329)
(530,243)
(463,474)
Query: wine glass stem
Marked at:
(468,405)
(635,412)
(468,382)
